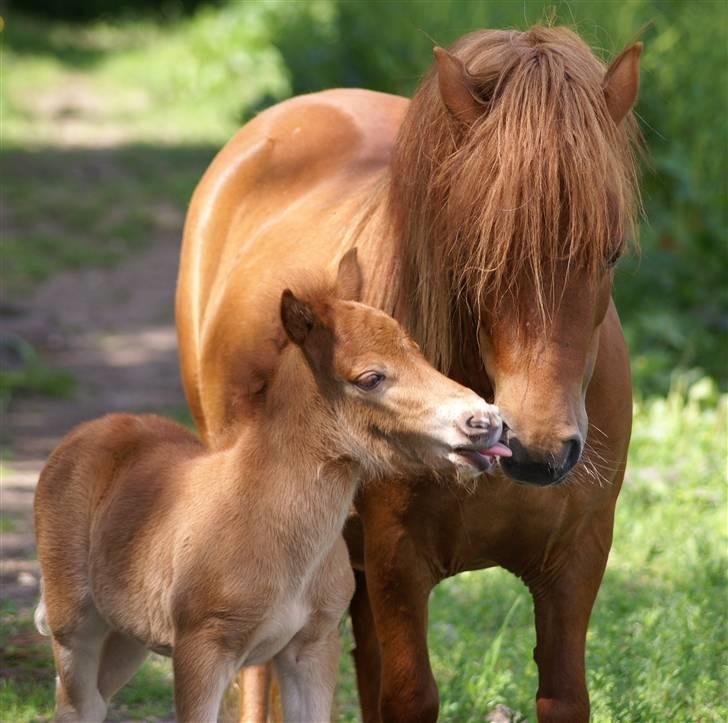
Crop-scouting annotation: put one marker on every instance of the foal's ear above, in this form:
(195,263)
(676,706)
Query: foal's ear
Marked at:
(297,316)
(349,281)
(456,88)
(622,82)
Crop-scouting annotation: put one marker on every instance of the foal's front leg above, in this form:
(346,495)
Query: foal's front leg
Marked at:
(306,670)
(202,670)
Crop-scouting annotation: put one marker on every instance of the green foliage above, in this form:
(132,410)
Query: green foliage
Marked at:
(88,9)
(140,80)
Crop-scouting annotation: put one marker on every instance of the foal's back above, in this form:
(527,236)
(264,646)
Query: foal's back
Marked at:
(83,478)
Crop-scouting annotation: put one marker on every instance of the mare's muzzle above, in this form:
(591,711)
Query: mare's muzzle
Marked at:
(542,470)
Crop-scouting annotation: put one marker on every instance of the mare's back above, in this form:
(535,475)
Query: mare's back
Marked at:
(279,197)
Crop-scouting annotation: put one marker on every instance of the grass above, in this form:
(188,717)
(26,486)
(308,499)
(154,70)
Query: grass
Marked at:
(26,682)
(71,208)
(657,645)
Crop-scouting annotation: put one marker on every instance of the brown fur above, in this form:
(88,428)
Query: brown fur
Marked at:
(147,540)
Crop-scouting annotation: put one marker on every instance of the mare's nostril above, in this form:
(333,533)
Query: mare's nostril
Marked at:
(572,453)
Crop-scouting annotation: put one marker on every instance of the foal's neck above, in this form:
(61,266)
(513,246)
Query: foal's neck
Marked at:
(289,465)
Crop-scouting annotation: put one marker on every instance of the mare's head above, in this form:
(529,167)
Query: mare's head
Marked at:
(514,187)
(378,401)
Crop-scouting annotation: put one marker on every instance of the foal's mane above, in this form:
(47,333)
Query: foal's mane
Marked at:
(543,181)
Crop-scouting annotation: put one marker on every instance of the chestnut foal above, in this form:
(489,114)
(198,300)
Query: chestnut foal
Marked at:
(148,541)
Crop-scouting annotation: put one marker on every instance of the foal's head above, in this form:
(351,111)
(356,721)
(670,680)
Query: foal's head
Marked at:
(377,401)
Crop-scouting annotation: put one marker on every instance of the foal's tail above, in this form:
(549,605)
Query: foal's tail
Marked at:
(39,618)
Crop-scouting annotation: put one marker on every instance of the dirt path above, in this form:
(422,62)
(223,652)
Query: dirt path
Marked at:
(113,330)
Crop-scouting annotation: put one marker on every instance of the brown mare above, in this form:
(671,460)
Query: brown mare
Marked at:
(230,558)
(488,211)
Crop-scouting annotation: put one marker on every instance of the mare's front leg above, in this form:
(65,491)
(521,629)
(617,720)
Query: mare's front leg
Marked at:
(202,670)
(564,594)
(366,651)
(398,582)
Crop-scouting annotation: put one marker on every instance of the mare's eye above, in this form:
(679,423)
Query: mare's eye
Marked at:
(612,261)
(368,381)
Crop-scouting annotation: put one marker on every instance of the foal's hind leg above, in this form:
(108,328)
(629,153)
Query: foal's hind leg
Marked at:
(77,655)
(121,657)
(306,672)
(202,670)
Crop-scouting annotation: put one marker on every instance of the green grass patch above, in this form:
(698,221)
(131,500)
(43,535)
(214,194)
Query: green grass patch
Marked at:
(29,374)
(75,208)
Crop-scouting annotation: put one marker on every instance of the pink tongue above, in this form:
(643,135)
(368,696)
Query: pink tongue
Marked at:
(497,450)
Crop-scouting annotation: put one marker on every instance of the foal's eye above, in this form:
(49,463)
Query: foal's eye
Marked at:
(368,381)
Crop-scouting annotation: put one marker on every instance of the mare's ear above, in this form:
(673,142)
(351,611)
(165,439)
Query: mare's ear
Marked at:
(456,87)
(349,281)
(297,316)
(622,82)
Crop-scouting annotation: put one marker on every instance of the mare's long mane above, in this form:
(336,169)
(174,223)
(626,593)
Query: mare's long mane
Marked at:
(543,180)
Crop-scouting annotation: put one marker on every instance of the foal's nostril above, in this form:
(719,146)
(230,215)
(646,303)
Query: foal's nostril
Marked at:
(480,423)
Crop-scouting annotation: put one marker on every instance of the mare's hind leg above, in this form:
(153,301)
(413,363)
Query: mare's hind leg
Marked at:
(77,655)
(121,657)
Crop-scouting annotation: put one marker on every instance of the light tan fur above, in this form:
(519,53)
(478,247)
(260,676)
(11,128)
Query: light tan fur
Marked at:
(231,558)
